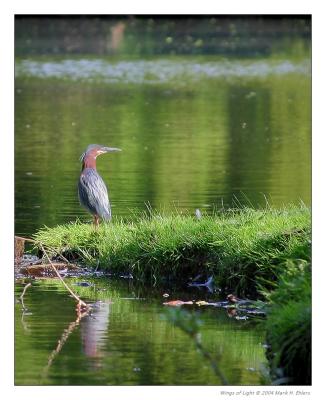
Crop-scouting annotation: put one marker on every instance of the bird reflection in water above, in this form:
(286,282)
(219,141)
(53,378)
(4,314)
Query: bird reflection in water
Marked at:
(93,324)
(94,329)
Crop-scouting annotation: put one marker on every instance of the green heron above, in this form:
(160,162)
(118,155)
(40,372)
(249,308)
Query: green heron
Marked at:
(92,192)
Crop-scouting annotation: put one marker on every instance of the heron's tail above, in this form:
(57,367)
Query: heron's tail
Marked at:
(107,215)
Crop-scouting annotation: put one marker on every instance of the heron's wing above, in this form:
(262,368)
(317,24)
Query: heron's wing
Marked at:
(93,193)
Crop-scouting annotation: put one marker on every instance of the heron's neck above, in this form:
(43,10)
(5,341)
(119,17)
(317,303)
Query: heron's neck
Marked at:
(89,162)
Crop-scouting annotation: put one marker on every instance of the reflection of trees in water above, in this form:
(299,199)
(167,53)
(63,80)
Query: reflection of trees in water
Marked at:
(127,342)
(249,132)
(269,140)
(192,146)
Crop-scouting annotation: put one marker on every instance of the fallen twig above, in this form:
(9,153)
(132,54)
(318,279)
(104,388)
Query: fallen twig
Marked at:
(22,295)
(59,254)
(81,303)
(26,239)
(65,334)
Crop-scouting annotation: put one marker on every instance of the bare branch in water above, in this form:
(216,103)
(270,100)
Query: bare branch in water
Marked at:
(81,303)
(65,335)
(23,294)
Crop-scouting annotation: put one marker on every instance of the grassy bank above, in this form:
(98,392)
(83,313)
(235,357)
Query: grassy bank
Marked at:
(238,247)
(248,252)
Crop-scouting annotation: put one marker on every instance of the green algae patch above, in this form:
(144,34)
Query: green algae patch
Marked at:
(237,247)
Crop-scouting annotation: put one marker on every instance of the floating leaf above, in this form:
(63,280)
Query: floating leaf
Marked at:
(176,303)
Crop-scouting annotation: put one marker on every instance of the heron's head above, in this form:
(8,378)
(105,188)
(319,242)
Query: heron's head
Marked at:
(94,150)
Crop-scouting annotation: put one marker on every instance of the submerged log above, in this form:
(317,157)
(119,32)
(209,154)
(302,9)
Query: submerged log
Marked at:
(47,269)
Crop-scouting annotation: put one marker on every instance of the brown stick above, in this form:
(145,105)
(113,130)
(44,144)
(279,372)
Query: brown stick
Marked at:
(80,302)
(65,334)
(22,295)
(27,239)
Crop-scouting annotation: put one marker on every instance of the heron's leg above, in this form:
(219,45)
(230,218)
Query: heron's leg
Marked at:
(96,221)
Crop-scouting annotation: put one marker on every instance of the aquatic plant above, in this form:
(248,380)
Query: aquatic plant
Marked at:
(288,325)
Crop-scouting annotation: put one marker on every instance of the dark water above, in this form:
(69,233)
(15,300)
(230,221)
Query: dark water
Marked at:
(208,114)
(127,339)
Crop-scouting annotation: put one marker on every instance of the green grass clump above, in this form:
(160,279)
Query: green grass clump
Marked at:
(238,246)
(289,325)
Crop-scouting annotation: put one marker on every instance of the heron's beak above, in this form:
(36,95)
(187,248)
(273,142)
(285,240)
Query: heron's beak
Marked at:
(109,149)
